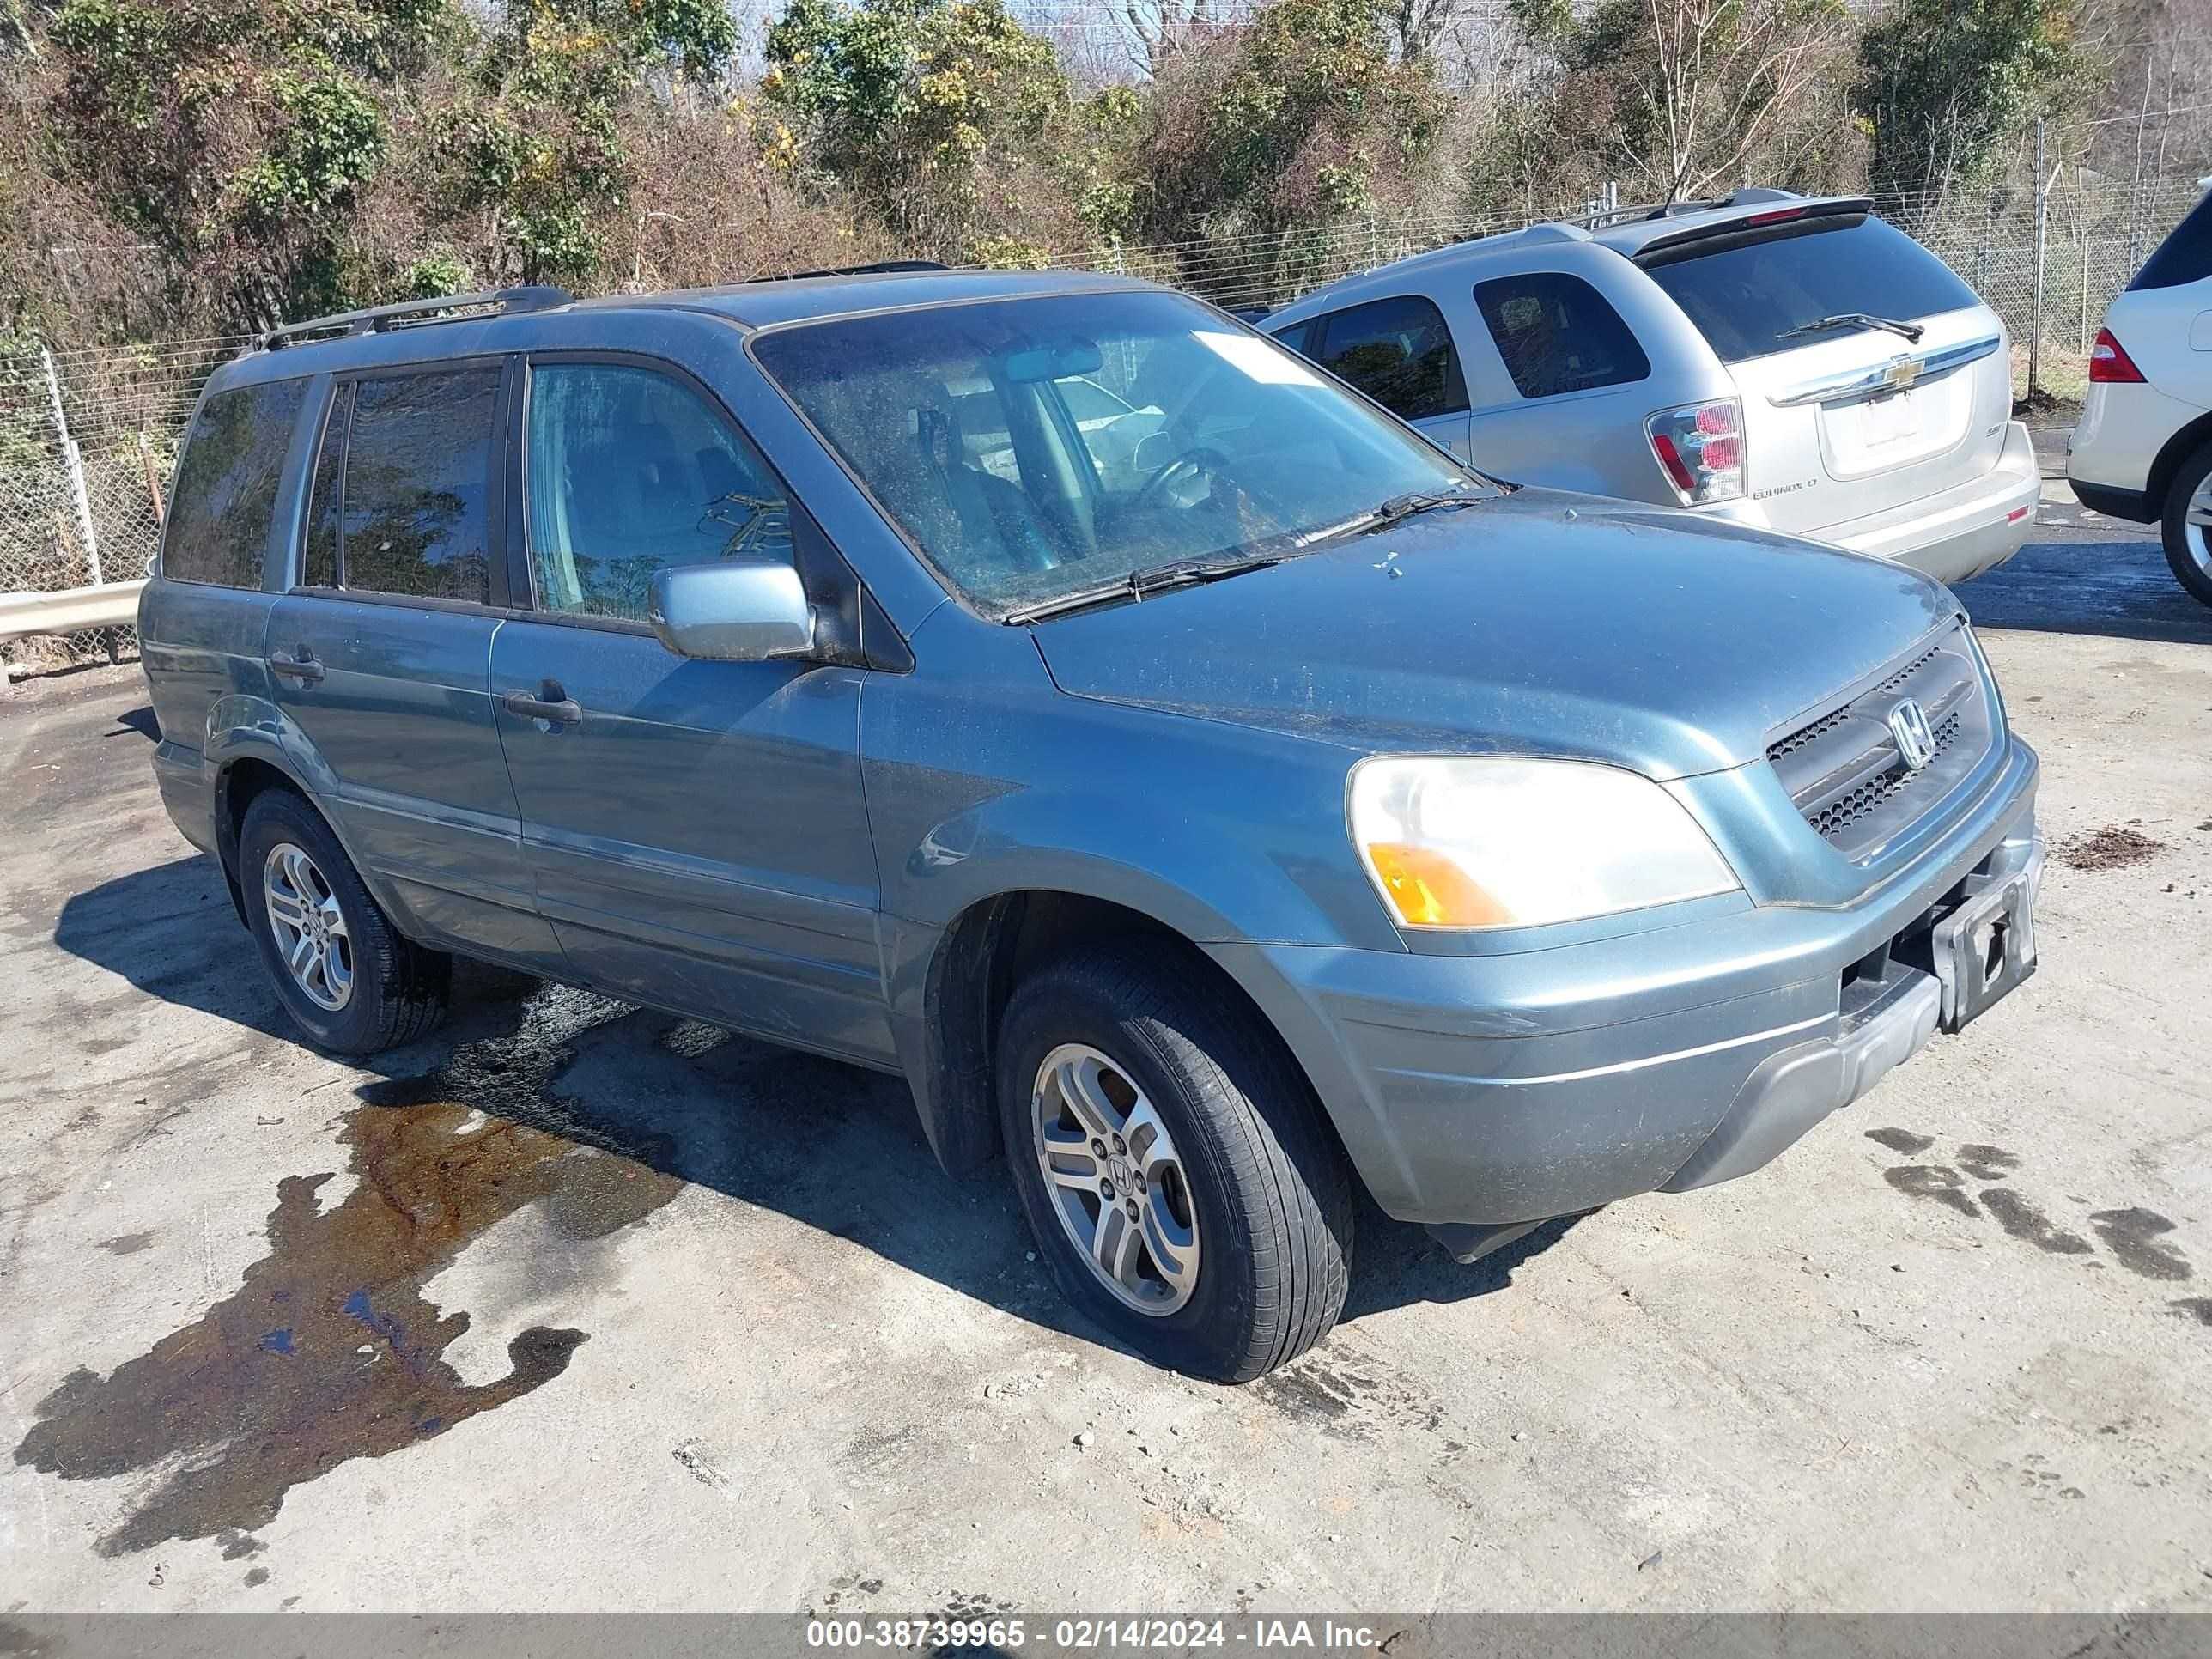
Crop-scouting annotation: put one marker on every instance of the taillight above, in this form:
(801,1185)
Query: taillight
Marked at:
(2109,365)
(1700,449)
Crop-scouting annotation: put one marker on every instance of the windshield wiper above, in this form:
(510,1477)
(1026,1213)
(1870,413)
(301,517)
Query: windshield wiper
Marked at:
(1141,584)
(1396,510)
(1912,332)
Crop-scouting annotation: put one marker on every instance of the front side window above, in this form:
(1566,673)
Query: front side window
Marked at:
(965,434)
(1557,334)
(225,494)
(628,470)
(416,486)
(1399,353)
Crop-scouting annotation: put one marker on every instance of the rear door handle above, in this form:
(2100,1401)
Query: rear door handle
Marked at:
(548,702)
(303,667)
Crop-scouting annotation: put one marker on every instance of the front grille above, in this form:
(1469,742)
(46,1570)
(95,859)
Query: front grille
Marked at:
(1842,768)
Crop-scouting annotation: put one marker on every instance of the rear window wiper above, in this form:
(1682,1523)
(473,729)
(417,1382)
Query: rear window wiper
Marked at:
(1912,332)
(1141,584)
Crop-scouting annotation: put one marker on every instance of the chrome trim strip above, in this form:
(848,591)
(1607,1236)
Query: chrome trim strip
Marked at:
(1864,383)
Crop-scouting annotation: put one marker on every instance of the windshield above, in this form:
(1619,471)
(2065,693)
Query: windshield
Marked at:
(1031,448)
(1746,297)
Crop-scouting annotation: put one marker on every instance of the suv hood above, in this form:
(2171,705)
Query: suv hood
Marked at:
(1541,624)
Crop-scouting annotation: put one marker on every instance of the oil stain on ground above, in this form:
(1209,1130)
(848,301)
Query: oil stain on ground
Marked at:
(2024,1221)
(329,1351)
(2134,1236)
(1934,1182)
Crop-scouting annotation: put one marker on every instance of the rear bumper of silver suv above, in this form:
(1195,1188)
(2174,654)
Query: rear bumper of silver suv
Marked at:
(1963,531)
(1952,536)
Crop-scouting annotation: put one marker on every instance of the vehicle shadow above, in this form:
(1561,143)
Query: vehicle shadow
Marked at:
(835,1147)
(139,719)
(2121,588)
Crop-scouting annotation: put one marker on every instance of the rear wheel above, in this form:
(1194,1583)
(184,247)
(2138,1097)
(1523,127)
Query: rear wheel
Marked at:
(1172,1163)
(344,973)
(2188,524)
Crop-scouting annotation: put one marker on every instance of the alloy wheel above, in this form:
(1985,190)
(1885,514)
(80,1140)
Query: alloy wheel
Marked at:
(1115,1179)
(309,928)
(2196,527)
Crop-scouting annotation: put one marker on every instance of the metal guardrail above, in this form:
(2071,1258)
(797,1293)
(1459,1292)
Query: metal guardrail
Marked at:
(107,605)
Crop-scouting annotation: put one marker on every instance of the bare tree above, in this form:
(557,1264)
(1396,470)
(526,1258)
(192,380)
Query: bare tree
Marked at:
(1160,30)
(1725,78)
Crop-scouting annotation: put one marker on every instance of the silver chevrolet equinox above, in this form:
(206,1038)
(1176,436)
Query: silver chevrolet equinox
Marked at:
(1216,818)
(1789,362)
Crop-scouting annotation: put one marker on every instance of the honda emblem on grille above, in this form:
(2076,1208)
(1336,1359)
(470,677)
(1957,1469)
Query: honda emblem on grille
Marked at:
(1915,740)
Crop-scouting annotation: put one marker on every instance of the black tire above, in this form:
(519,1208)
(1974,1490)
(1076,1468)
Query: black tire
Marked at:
(2187,482)
(399,989)
(1263,1173)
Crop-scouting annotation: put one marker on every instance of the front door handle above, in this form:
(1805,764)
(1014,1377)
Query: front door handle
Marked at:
(303,667)
(548,702)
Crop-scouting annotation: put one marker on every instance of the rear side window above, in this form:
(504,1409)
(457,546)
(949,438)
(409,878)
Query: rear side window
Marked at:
(1745,298)
(320,563)
(1399,353)
(2183,257)
(629,471)
(225,493)
(417,480)
(1295,336)
(1557,334)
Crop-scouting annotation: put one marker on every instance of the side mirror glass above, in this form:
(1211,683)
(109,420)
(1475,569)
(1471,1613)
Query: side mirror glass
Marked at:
(744,611)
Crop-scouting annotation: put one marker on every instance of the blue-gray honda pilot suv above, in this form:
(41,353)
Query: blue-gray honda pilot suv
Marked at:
(1195,785)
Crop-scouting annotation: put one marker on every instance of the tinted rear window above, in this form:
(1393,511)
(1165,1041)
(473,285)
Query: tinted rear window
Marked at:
(2183,257)
(1557,334)
(226,488)
(1743,299)
(319,563)
(417,485)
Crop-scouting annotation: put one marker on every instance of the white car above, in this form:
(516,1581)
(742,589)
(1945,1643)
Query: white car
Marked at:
(2144,449)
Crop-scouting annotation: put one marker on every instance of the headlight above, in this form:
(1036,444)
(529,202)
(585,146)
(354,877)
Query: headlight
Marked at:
(1477,841)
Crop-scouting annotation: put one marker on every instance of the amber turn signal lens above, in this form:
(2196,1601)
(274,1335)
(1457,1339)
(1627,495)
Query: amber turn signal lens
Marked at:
(1428,889)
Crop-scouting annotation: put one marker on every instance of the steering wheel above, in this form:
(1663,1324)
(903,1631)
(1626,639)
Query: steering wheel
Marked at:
(1191,463)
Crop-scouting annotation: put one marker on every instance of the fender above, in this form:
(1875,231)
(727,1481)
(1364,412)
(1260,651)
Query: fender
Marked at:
(2177,449)
(962,887)
(241,726)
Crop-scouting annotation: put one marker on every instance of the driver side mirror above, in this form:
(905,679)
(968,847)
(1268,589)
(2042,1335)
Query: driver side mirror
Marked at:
(745,611)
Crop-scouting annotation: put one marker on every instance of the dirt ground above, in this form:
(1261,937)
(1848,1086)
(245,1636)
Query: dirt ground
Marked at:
(277,1332)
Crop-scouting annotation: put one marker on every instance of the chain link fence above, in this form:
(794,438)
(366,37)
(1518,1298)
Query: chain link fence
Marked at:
(88,436)
(87,441)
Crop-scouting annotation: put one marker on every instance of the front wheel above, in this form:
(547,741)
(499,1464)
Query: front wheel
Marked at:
(1172,1163)
(2188,524)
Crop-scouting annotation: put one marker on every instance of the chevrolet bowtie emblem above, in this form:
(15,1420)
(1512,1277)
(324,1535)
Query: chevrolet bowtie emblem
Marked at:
(1900,374)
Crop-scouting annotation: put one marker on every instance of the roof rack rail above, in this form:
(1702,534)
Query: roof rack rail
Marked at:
(877,268)
(377,319)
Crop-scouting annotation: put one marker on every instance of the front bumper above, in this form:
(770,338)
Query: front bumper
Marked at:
(1483,1090)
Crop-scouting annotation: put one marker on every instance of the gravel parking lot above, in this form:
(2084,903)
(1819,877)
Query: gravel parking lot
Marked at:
(281,1332)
